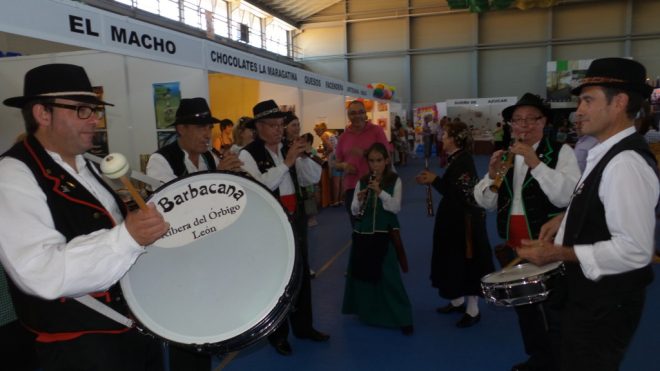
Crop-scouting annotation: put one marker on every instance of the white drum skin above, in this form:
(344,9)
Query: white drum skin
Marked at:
(230,284)
(521,284)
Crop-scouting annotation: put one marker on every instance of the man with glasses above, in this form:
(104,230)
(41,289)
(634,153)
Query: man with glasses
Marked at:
(535,188)
(351,146)
(66,234)
(281,168)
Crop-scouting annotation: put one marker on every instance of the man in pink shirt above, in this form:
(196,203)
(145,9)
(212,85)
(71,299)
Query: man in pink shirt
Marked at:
(353,142)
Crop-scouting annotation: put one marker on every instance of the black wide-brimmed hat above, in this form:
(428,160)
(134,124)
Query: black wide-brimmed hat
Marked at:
(265,110)
(619,73)
(528,99)
(194,111)
(66,81)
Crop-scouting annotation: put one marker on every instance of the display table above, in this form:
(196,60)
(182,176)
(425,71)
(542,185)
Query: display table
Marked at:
(483,145)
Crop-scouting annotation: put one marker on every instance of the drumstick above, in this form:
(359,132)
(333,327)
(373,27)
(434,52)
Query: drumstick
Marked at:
(513,262)
(115,166)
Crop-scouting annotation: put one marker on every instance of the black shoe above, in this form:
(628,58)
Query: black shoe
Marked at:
(407,330)
(523,366)
(468,321)
(314,335)
(282,347)
(450,309)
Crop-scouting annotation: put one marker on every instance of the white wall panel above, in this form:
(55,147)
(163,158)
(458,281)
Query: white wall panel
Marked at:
(374,36)
(512,72)
(386,70)
(322,41)
(648,53)
(439,77)
(513,26)
(328,67)
(588,51)
(646,14)
(442,31)
(591,19)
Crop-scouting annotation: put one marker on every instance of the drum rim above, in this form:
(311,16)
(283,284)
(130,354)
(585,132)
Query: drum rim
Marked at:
(555,265)
(262,327)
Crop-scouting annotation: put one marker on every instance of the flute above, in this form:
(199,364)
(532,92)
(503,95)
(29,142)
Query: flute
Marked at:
(220,155)
(429,192)
(505,165)
(363,205)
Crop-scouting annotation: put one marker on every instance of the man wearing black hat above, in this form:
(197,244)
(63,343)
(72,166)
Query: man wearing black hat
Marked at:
(190,152)
(66,234)
(605,238)
(281,168)
(536,186)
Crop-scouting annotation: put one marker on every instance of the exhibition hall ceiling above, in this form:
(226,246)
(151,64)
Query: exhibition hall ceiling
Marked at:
(302,11)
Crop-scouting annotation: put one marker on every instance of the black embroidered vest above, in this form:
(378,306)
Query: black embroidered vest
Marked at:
(75,212)
(537,207)
(176,157)
(586,224)
(257,148)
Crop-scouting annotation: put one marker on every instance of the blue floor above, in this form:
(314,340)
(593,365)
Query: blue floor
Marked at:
(437,344)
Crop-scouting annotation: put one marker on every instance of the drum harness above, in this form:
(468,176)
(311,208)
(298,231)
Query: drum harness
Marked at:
(88,300)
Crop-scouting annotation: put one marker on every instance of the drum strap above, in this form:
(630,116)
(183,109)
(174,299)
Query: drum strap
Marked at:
(105,310)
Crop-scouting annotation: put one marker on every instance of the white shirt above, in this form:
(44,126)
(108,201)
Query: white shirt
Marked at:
(278,177)
(629,192)
(160,169)
(38,258)
(391,202)
(557,184)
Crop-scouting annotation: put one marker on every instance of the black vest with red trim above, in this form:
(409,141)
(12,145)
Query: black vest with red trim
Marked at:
(586,224)
(536,205)
(176,158)
(75,212)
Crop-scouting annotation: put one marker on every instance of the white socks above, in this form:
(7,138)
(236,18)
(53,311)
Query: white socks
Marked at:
(457,302)
(472,306)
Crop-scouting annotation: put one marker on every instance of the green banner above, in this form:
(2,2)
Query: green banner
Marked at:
(479,6)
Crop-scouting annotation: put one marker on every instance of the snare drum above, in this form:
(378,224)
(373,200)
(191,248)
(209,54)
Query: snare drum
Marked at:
(223,276)
(521,284)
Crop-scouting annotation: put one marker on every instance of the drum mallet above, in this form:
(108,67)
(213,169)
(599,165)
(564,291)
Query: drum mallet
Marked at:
(514,262)
(115,166)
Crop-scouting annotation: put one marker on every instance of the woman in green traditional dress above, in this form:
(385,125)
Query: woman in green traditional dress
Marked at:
(374,289)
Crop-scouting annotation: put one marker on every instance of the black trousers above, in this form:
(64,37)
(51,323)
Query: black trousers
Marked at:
(539,323)
(129,351)
(186,359)
(17,347)
(300,316)
(596,333)
(539,326)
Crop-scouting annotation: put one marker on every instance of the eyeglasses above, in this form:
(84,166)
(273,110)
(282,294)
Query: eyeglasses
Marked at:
(525,120)
(83,112)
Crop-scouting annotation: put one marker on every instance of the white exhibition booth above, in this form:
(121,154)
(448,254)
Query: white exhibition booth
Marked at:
(127,57)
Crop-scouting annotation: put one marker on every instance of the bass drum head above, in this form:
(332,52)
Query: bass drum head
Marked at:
(221,278)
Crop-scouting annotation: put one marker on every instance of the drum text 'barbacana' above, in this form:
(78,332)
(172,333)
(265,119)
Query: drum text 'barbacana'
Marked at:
(203,190)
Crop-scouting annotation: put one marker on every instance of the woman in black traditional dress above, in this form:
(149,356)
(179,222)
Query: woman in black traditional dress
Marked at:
(461,251)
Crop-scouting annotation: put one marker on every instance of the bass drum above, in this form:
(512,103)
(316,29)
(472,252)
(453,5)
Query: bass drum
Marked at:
(223,276)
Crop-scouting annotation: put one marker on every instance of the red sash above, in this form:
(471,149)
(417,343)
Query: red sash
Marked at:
(517,230)
(289,202)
